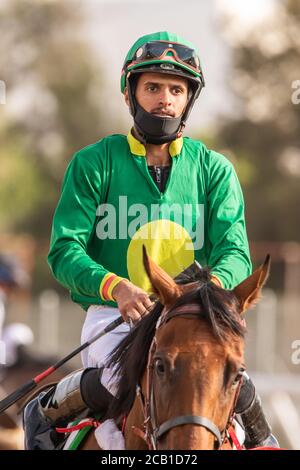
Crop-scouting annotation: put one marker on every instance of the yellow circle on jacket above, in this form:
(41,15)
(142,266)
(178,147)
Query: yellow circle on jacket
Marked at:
(167,243)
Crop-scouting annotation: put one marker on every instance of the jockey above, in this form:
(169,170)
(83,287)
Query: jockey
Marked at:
(145,188)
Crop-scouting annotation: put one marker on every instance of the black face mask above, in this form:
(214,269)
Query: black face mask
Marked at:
(155,129)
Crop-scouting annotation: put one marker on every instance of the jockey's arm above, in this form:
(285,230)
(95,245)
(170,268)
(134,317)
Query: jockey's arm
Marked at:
(227,247)
(73,224)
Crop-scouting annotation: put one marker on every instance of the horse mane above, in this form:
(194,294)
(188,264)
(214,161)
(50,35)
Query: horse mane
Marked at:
(129,358)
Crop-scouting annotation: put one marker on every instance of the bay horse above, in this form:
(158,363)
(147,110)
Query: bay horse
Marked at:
(182,365)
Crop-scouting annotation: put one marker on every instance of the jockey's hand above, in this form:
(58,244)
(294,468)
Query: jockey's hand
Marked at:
(132,301)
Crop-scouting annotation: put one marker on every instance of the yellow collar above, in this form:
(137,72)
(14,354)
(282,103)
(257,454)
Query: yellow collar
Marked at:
(137,148)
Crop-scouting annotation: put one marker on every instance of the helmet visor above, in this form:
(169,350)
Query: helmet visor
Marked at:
(157,50)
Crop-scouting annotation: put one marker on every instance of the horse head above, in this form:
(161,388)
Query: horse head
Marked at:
(187,382)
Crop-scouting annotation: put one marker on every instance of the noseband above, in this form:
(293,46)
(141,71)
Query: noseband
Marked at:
(153,431)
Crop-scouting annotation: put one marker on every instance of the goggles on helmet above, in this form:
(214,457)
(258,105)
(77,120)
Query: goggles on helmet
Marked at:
(157,50)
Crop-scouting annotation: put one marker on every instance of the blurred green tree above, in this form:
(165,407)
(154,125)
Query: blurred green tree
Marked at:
(266,136)
(53,108)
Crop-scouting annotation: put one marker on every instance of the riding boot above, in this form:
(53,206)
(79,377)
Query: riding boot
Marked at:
(79,391)
(257,429)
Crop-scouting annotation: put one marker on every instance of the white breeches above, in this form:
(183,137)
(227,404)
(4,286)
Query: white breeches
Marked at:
(96,355)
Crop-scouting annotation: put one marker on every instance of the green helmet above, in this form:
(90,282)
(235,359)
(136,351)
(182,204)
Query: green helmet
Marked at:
(164,53)
(132,62)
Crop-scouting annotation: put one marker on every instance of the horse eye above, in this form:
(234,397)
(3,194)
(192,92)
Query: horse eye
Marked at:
(159,366)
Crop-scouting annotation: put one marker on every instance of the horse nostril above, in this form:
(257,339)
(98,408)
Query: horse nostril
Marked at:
(159,366)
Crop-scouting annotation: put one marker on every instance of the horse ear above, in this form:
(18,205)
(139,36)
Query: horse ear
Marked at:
(163,284)
(248,291)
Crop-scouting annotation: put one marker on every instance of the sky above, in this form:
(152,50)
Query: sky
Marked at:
(114,25)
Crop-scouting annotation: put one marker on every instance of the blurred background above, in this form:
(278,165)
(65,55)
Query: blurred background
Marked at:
(60,64)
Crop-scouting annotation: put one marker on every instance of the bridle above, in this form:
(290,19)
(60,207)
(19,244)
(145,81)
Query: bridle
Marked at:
(153,431)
